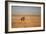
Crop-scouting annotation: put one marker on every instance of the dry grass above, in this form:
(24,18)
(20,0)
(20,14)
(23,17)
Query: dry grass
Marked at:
(30,21)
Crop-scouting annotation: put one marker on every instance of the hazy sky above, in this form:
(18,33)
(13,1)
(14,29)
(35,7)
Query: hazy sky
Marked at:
(25,10)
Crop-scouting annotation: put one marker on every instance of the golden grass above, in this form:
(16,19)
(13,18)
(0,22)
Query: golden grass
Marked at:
(30,21)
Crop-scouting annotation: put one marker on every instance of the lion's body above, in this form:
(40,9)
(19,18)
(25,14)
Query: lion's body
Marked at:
(23,18)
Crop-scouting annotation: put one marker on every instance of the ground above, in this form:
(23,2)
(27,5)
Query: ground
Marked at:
(30,21)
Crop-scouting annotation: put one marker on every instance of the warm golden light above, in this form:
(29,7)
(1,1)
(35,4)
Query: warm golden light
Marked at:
(26,21)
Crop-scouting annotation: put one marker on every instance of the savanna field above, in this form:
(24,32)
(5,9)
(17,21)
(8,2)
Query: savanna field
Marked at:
(29,21)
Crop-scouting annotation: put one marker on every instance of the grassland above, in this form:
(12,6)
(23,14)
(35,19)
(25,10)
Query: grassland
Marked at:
(30,21)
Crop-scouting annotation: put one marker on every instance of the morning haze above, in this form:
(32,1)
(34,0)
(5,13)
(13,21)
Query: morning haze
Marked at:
(25,10)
